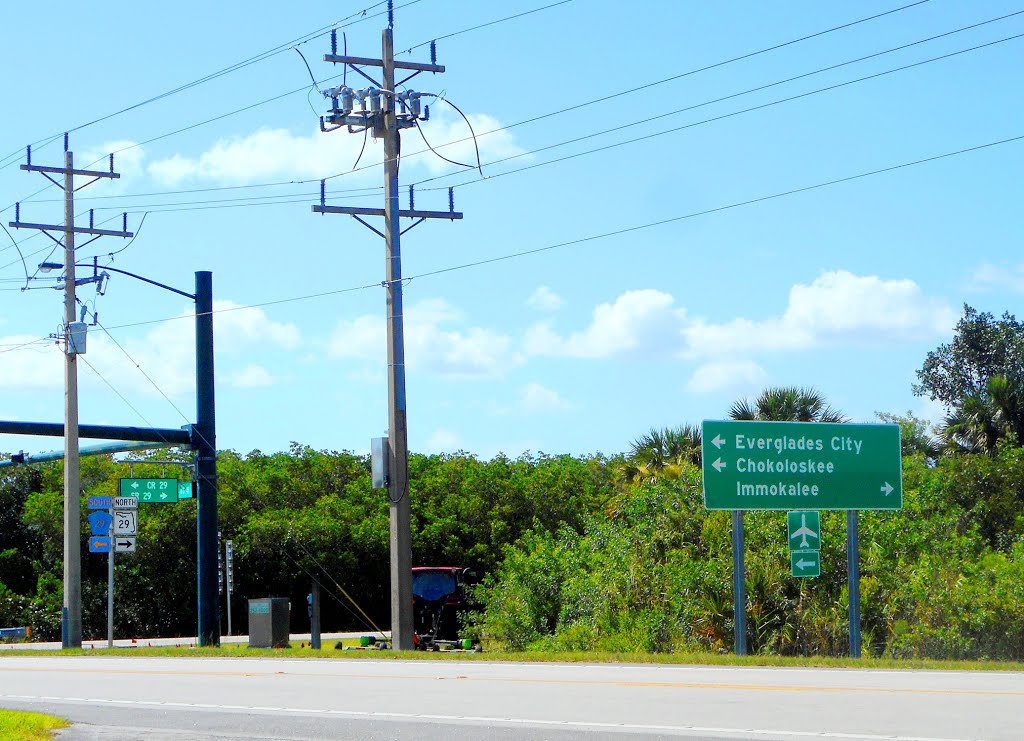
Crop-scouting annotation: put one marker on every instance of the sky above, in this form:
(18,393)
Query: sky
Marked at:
(647,243)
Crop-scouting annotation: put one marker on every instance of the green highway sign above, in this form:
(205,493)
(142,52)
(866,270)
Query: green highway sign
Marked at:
(185,489)
(804,531)
(805,563)
(159,491)
(793,465)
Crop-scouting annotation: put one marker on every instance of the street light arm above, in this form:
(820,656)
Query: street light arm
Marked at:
(139,277)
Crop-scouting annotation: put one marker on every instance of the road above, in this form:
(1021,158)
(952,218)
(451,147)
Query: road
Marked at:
(368,698)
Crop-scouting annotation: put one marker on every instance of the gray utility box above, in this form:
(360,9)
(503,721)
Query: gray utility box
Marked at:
(268,622)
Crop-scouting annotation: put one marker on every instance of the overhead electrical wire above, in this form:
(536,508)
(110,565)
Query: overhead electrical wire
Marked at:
(550,114)
(608,234)
(298,198)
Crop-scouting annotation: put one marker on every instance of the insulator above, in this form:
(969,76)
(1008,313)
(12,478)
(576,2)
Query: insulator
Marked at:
(323,192)
(65,141)
(412,198)
(334,41)
(451,199)
(414,103)
(111,162)
(391,14)
(348,99)
(90,218)
(433,52)
(28,154)
(124,221)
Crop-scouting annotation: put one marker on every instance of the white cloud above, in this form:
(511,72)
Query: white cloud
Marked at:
(128,164)
(726,375)
(252,376)
(279,153)
(640,322)
(836,306)
(458,353)
(536,398)
(443,441)
(33,366)
(987,277)
(544,299)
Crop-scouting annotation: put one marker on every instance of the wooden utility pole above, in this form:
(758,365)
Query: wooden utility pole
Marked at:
(74,341)
(383,112)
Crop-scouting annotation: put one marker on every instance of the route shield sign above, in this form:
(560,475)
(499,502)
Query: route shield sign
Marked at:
(126,522)
(150,490)
(804,531)
(99,523)
(805,563)
(793,465)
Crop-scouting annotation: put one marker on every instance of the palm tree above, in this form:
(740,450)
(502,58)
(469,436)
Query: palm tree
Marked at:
(787,404)
(985,417)
(662,453)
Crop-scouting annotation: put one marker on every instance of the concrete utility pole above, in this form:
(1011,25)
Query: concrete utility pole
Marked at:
(384,112)
(74,343)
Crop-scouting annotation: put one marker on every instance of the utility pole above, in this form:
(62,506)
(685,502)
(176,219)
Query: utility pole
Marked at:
(383,111)
(74,343)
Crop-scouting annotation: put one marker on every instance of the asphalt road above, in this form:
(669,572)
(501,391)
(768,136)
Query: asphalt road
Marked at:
(369,699)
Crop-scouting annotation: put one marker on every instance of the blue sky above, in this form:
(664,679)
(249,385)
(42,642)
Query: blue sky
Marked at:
(575,349)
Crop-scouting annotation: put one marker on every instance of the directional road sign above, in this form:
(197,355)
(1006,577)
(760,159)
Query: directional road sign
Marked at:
(805,563)
(124,545)
(160,491)
(99,502)
(99,523)
(126,502)
(126,522)
(789,465)
(804,531)
(99,544)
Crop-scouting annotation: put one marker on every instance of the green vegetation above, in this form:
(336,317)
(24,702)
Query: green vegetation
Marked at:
(589,556)
(18,726)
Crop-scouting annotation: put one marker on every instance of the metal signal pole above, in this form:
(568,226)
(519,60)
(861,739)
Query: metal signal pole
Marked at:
(71,615)
(384,112)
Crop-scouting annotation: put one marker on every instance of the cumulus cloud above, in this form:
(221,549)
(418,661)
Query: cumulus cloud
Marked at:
(443,441)
(836,306)
(129,164)
(988,277)
(536,398)
(430,343)
(544,299)
(270,153)
(26,363)
(252,376)
(637,322)
(726,375)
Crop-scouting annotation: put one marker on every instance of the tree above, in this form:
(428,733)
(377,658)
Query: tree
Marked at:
(662,453)
(916,435)
(787,404)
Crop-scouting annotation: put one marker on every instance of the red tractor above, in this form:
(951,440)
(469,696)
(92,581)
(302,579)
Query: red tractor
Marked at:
(438,602)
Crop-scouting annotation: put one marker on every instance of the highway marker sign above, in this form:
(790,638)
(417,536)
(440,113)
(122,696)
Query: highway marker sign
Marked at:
(99,523)
(126,522)
(126,502)
(124,545)
(805,563)
(789,465)
(99,502)
(99,544)
(804,531)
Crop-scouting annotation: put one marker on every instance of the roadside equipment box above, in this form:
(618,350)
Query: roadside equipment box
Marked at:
(269,622)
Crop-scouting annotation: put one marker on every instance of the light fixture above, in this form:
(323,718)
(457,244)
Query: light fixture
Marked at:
(46,267)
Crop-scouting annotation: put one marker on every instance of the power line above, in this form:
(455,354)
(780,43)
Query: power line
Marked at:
(297,197)
(605,235)
(553,113)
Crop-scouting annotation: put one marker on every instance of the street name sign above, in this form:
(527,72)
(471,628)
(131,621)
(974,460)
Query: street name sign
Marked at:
(795,465)
(126,522)
(99,544)
(126,502)
(99,502)
(150,491)
(805,563)
(124,545)
(804,531)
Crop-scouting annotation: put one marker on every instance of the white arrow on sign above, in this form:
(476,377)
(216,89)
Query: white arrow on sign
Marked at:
(135,484)
(887,488)
(163,495)
(718,442)
(719,464)
(801,564)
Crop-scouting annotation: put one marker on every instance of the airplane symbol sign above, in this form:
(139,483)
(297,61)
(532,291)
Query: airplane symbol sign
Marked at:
(804,531)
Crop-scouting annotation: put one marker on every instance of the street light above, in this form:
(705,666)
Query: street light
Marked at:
(204,442)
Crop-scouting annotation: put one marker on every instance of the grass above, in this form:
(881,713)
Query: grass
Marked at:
(19,726)
(303,651)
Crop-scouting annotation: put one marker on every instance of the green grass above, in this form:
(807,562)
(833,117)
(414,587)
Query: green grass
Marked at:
(303,651)
(19,726)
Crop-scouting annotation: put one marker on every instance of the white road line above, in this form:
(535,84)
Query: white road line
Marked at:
(486,719)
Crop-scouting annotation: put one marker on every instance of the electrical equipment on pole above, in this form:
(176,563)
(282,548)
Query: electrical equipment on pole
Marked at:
(382,111)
